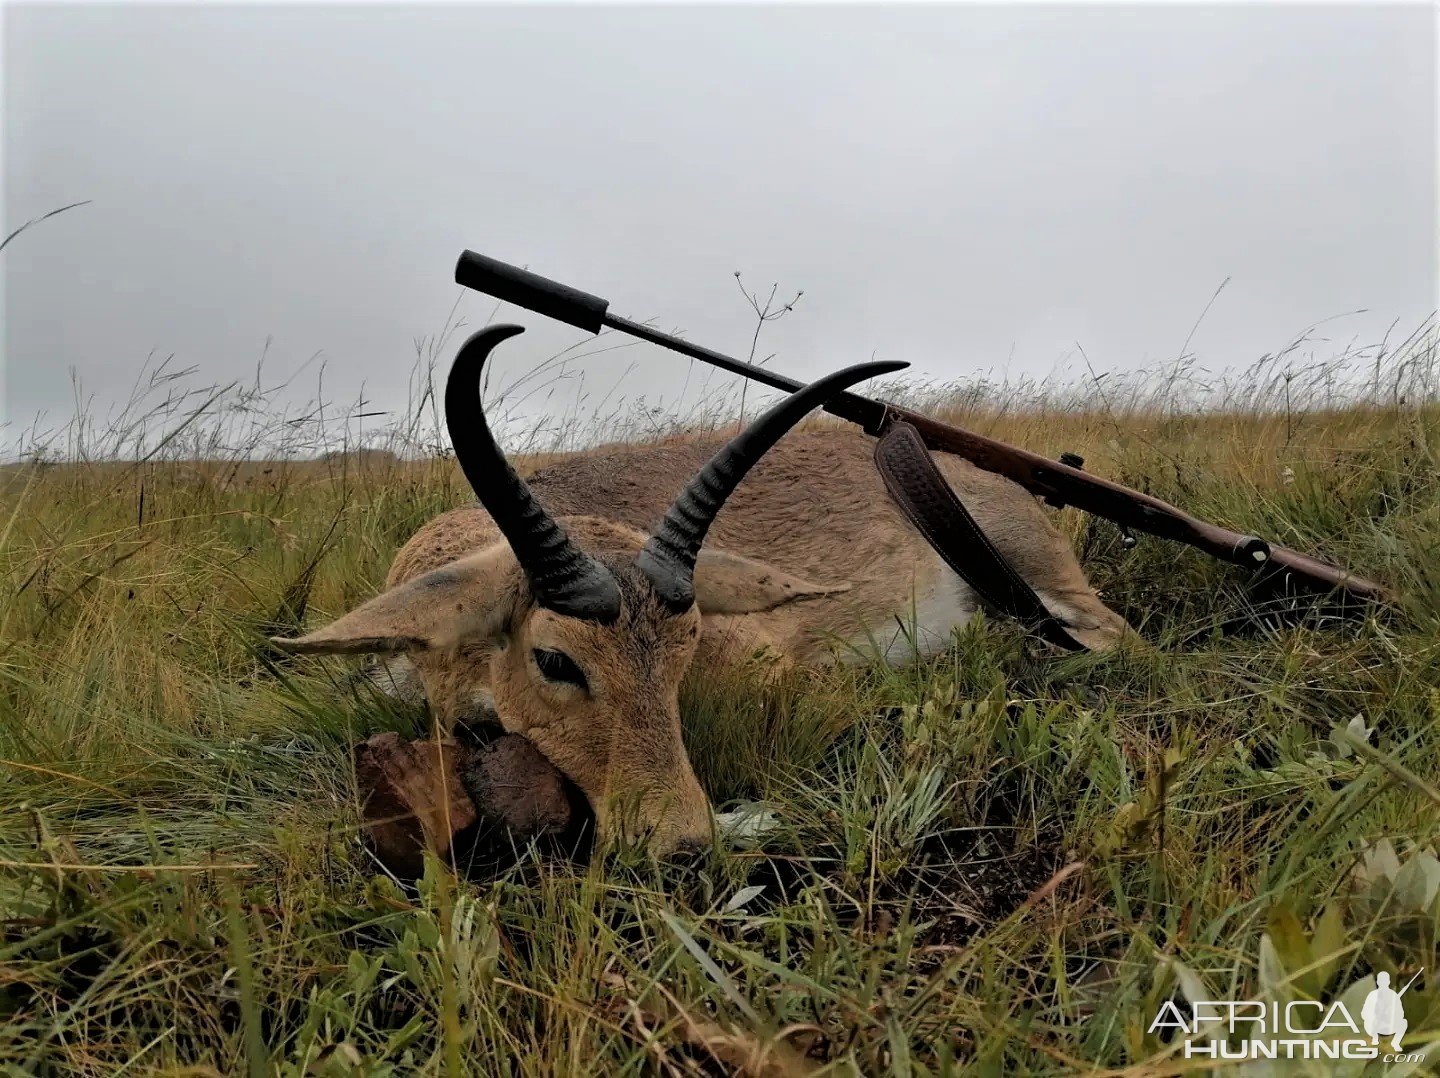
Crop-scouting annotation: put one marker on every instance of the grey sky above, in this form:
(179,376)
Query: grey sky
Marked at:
(964,187)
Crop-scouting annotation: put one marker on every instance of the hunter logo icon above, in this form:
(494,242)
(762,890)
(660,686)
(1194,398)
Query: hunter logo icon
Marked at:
(1382,1014)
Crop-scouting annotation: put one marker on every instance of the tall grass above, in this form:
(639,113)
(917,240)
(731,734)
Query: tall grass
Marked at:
(999,860)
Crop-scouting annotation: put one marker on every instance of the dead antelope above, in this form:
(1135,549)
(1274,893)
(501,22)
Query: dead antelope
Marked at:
(577,629)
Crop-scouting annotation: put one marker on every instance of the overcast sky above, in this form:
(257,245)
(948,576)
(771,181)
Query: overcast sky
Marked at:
(971,189)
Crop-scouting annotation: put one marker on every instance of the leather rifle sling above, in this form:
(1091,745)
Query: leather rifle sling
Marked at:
(928,502)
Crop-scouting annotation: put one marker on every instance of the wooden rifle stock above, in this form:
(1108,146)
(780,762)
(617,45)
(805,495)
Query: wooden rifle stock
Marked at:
(1061,484)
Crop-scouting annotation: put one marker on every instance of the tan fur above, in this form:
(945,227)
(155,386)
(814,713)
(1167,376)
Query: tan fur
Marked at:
(810,522)
(814,506)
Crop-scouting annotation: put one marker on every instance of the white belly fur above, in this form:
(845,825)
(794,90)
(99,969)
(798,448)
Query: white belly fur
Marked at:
(920,630)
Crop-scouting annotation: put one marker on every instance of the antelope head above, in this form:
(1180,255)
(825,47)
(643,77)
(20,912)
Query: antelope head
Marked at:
(587,647)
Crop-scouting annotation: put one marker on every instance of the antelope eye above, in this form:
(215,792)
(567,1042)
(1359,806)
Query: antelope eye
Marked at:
(557,666)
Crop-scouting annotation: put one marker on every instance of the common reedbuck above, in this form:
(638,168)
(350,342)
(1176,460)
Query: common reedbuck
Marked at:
(577,629)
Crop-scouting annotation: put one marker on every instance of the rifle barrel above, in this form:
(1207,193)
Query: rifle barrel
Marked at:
(850,406)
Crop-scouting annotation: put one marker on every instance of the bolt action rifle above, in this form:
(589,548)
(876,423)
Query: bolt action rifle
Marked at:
(1058,482)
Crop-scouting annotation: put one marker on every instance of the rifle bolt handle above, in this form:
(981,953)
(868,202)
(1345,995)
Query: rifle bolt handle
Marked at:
(1253,548)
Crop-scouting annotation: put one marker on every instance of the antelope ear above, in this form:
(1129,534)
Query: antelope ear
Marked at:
(474,597)
(731,584)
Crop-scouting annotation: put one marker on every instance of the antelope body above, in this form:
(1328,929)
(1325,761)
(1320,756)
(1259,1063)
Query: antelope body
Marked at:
(806,561)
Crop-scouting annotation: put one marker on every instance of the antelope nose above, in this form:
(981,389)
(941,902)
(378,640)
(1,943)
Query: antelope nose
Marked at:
(688,853)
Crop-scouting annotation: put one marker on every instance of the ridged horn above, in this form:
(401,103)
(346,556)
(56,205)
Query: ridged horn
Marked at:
(562,577)
(668,558)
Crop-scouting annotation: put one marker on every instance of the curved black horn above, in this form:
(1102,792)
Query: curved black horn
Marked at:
(669,557)
(563,578)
